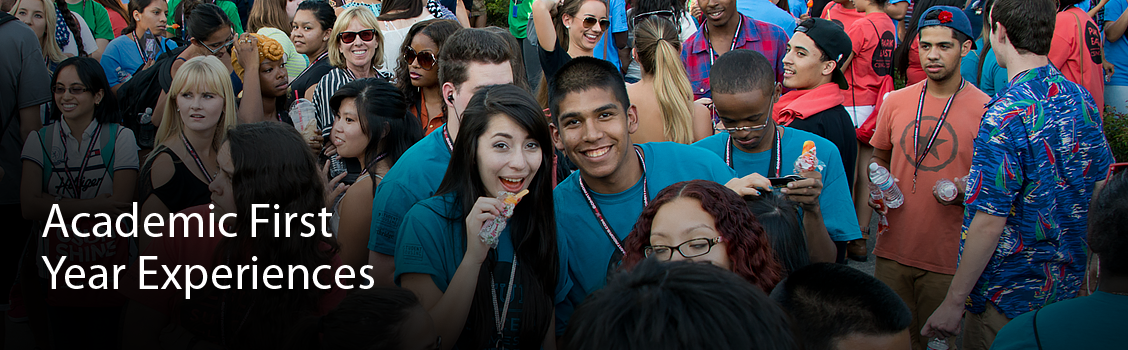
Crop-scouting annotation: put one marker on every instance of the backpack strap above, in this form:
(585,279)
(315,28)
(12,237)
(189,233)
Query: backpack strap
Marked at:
(107,144)
(1037,339)
(46,144)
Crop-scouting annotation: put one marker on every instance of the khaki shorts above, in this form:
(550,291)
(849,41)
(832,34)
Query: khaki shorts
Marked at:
(980,329)
(923,291)
(478,8)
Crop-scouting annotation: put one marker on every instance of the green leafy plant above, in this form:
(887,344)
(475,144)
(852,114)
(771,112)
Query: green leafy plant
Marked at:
(1116,132)
(497,13)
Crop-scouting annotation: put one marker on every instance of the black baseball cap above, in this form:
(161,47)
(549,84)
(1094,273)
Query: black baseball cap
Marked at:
(833,41)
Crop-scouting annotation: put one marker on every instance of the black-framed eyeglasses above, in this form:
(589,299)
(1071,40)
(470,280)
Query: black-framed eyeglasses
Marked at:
(754,128)
(604,24)
(667,14)
(426,58)
(688,249)
(226,46)
(74,90)
(349,37)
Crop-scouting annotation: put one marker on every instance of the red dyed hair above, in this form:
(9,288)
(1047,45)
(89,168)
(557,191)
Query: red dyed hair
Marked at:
(746,243)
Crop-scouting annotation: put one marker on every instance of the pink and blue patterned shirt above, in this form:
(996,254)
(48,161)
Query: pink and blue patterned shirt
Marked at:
(697,55)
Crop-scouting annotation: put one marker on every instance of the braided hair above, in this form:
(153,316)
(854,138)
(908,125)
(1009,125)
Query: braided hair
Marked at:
(72,24)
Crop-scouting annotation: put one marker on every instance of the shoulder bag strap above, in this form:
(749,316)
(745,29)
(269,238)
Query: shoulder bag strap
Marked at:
(1037,339)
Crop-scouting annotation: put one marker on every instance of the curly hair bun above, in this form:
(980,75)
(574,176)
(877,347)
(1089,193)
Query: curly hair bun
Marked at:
(268,49)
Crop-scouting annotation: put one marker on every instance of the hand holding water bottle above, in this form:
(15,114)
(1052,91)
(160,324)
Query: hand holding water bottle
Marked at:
(880,177)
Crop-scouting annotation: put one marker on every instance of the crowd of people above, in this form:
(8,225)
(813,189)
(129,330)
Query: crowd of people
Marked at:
(643,174)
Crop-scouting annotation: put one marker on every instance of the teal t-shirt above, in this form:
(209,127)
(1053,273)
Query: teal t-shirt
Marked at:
(1097,321)
(96,18)
(415,176)
(837,206)
(432,242)
(590,250)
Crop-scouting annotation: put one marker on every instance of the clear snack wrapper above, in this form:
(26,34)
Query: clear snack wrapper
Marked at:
(808,161)
(492,229)
(304,115)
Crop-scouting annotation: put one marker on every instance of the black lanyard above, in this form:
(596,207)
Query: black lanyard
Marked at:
(446,137)
(76,183)
(599,214)
(775,162)
(935,132)
(499,316)
(199,163)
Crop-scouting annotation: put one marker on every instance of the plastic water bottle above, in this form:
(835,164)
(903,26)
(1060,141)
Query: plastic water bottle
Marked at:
(937,344)
(945,189)
(880,176)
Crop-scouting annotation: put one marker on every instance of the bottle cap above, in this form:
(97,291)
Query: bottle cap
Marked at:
(873,166)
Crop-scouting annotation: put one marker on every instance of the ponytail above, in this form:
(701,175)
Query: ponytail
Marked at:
(72,23)
(658,48)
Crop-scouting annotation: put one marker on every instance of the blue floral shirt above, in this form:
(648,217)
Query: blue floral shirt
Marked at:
(1039,150)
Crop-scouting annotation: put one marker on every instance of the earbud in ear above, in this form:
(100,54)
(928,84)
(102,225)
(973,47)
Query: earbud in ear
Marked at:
(450,98)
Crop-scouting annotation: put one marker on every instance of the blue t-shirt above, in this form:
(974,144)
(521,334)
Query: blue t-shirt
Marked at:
(432,242)
(1038,152)
(764,11)
(605,49)
(835,201)
(798,7)
(122,57)
(590,249)
(1093,322)
(415,176)
(994,77)
(1116,52)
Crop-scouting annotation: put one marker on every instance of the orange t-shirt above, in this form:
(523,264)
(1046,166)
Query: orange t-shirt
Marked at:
(845,17)
(924,233)
(1077,51)
(874,41)
(915,74)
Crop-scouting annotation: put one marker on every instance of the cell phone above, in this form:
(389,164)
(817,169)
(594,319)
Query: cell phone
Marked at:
(783,181)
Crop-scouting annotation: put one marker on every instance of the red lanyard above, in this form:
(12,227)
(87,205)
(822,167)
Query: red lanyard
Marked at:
(76,183)
(776,155)
(935,132)
(199,163)
(599,214)
(446,137)
(713,54)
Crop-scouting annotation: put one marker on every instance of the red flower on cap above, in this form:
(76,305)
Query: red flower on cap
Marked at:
(945,17)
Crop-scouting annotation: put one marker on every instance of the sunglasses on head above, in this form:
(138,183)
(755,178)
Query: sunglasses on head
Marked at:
(604,24)
(426,58)
(349,37)
(639,18)
(1116,169)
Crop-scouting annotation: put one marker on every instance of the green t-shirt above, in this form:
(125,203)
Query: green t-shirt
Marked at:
(227,7)
(96,18)
(519,11)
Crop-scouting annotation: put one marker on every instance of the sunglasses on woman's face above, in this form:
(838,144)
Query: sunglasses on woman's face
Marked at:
(426,58)
(349,37)
(604,24)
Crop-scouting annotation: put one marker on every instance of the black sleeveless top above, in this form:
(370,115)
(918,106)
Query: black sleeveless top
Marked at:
(184,190)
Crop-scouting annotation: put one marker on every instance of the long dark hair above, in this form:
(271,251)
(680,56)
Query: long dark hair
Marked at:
(91,74)
(273,166)
(780,219)
(365,319)
(436,29)
(745,241)
(72,24)
(533,224)
(135,6)
(382,108)
(406,8)
(983,51)
(901,54)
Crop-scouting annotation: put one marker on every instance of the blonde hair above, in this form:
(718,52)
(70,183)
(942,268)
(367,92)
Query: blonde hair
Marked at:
(47,43)
(268,49)
(268,14)
(656,40)
(206,73)
(366,18)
